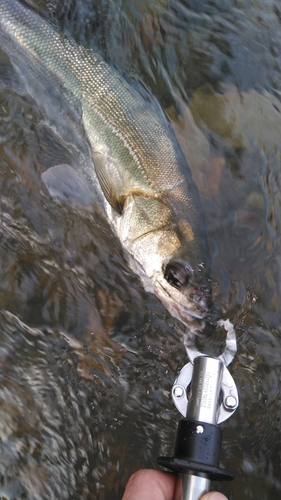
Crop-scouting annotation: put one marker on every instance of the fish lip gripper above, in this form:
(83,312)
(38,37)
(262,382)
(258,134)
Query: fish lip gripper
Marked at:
(205,394)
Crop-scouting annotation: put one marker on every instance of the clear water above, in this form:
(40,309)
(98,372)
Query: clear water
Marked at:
(87,357)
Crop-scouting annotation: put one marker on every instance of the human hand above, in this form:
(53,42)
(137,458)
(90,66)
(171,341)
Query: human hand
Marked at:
(147,484)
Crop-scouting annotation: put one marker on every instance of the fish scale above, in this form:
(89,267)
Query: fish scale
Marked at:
(135,160)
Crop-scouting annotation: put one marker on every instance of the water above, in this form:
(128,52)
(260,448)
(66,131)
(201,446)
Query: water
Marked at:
(87,356)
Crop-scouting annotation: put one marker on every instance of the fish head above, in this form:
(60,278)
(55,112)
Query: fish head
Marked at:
(171,258)
(186,291)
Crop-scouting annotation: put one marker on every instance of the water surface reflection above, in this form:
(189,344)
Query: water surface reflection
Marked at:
(87,357)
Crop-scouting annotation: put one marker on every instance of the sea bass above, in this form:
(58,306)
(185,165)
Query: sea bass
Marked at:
(135,163)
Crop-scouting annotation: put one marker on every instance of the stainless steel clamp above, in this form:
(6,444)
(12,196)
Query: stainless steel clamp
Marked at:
(205,390)
(206,395)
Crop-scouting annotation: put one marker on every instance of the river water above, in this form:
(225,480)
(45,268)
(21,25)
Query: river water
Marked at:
(87,357)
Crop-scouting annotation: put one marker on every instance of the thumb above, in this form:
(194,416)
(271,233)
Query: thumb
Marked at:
(213,495)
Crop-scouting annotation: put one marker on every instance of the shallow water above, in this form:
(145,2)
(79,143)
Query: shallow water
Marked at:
(87,356)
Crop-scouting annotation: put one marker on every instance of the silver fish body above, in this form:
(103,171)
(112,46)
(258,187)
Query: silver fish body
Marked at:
(143,180)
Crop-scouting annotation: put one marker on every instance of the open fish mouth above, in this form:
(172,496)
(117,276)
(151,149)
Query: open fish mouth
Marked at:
(206,316)
(186,306)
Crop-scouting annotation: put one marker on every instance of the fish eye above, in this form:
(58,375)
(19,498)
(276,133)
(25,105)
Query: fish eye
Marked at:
(177,275)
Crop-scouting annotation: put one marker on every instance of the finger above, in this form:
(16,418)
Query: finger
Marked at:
(147,484)
(213,495)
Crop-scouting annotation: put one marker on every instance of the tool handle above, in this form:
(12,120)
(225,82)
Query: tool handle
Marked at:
(193,486)
(198,442)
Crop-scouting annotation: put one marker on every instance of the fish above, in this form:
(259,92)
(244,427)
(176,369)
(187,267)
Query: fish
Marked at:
(125,149)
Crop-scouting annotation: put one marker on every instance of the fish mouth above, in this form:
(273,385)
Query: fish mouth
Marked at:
(201,311)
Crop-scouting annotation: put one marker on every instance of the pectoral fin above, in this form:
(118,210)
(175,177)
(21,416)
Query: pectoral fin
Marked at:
(110,181)
(67,185)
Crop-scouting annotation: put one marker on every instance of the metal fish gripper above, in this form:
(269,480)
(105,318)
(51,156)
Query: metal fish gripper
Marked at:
(206,395)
